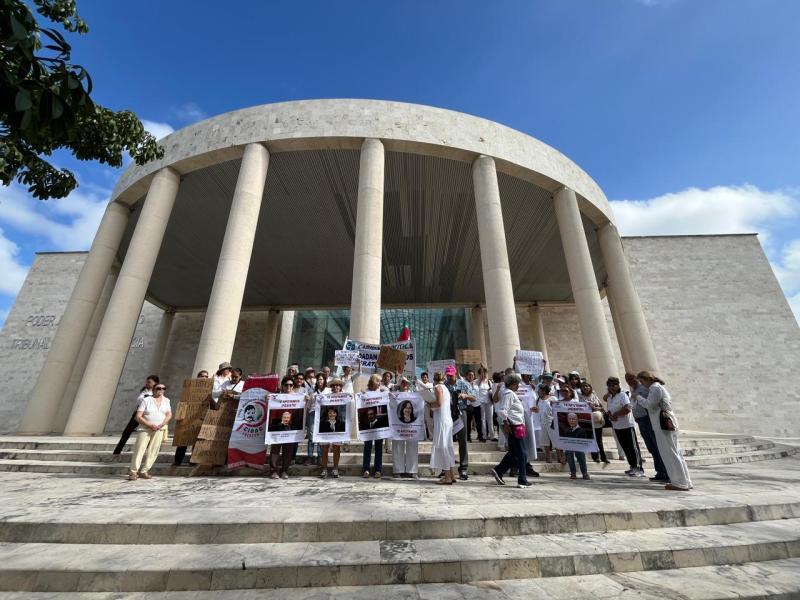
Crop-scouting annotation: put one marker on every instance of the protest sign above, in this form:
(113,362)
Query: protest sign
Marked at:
(527,396)
(391,359)
(439,366)
(373,416)
(368,355)
(529,362)
(346,358)
(333,415)
(211,447)
(407,416)
(194,402)
(572,427)
(246,446)
(469,357)
(286,419)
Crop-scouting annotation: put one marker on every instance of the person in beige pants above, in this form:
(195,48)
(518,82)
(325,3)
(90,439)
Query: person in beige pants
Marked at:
(153,414)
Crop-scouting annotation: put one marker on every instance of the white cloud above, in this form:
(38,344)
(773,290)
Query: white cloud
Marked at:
(189,113)
(725,209)
(67,223)
(159,130)
(13,271)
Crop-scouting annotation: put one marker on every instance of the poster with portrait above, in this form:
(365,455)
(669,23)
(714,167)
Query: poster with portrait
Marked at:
(372,409)
(572,427)
(247,447)
(286,418)
(407,416)
(332,418)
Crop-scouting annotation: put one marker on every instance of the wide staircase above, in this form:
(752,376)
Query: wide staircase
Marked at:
(93,456)
(68,530)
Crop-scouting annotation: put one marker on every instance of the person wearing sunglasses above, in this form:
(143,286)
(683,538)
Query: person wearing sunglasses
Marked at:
(152,414)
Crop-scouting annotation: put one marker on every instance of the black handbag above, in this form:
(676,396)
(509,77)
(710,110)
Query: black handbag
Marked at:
(666,422)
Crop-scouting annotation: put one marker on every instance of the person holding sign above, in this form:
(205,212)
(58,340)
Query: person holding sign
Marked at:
(443,457)
(333,423)
(404,449)
(575,431)
(374,421)
(280,455)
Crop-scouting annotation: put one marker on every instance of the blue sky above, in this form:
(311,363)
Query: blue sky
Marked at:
(686,112)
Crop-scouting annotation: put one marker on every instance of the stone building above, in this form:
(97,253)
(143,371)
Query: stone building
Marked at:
(269,234)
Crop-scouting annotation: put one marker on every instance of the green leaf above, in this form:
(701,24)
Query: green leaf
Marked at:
(23,100)
(19,32)
(56,107)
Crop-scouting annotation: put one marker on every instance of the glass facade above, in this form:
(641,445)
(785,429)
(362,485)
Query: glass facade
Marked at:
(438,333)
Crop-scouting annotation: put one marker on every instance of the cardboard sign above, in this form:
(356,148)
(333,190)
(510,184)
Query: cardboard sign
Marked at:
(529,362)
(372,409)
(247,446)
(407,416)
(368,355)
(572,427)
(391,359)
(211,447)
(194,402)
(332,418)
(346,358)
(286,423)
(469,357)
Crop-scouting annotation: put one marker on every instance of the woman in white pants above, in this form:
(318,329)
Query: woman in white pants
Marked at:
(405,453)
(658,401)
(484,386)
(153,414)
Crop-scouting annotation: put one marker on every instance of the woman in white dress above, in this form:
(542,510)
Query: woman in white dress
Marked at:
(443,457)
(658,400)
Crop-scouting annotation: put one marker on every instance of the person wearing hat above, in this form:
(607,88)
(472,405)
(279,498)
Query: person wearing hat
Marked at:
(459,393)
(221,379)
(333,422)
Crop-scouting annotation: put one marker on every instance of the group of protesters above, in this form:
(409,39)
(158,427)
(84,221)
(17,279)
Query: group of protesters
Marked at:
(456,406)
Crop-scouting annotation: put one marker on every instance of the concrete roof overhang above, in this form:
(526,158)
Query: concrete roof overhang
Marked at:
(303,250)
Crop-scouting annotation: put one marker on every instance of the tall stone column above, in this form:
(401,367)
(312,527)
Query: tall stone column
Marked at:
(225,303)
(65,407)
(623,346)
(635,332)
(96,392)
(477,335)
(284,342)
(596,339)
(365,300)
(160,345)
(54,377)
(537,329)
(501,311)
(267,361)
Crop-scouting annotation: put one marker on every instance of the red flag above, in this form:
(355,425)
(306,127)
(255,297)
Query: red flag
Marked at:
(405,334)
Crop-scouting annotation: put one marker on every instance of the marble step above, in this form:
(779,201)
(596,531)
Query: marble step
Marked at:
(351,466)
(773,580)
(163,567)
(351,456)
(91,525)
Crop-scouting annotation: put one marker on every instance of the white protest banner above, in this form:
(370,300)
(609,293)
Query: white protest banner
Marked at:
(333,417)
(529,362)
(246,447)
(439,366)
(373,416)
(286,420)
(572,427)
(346,358)
(407,416)
(368,354)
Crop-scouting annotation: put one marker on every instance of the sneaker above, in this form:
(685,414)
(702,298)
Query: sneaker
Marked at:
(498,478)
(530,471)
(378,475)
(586,476)
(524,485)
(366,475)
(639,473)
(274,476)
(630,471)
(335,473)
(660,479)
(284,475)
(573,476)
(324,474)
(463,476)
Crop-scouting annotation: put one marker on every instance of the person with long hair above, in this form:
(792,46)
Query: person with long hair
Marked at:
(586,394)
(405,453)
(483,386)
(443,458)
(665,425)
